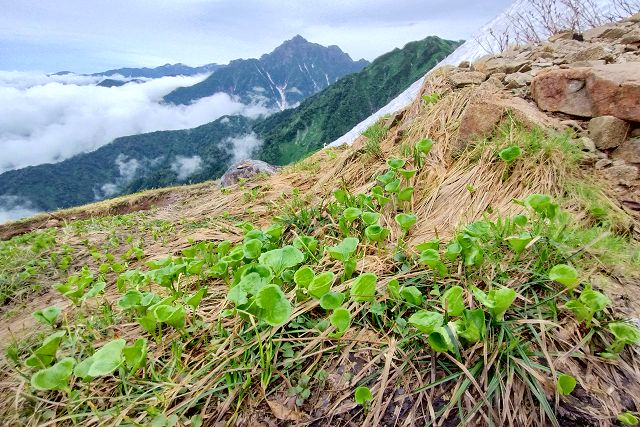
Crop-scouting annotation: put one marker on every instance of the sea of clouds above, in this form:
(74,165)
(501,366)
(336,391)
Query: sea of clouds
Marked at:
(45,119)
(49,118)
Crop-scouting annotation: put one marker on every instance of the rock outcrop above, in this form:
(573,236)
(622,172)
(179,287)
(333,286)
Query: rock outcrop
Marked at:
(588,84)
(245,169)
(602,90)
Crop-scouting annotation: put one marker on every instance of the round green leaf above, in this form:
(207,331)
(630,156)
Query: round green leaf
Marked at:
(412,295)
(343,250)
(405,194)
(135,355)
(625,333)
(385,179)
(407,173)
(306,244)
(566,384)
(370,218)
(519,242)
(48,315)
(395,163)
(364,287)
(54,378)
(252,248)
(340,319)
(426,321)
(564,274)
(431,244)
(453,251)
(453,300)
(237,296)
(520,220)
(406,221)
(439,340)
(376,233)
(510,153)
(424,146)
(393,289)
(130,299)
(303,276)
(321,284)
(393,186)
(107,359)
(628,419)
(363,395)
(351,214)
(281,259)
(332,300)
(275,306)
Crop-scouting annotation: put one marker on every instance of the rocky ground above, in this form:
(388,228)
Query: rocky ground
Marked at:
(589,84)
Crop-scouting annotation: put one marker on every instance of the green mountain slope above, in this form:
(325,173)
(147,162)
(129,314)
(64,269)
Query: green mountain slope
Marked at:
(154,159)
(127,165)
(324,117)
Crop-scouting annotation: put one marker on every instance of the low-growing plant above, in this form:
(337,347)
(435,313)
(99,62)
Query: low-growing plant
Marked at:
(344,252)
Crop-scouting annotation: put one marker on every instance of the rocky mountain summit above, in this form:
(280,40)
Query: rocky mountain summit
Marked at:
(587,84)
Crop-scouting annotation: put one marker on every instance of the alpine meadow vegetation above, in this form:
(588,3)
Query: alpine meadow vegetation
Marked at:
(370,304)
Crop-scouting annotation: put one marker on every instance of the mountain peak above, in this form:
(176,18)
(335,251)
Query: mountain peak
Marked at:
(297,39)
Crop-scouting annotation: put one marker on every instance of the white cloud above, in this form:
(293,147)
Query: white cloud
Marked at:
(25,80)
(186,166)
(127,167)
(13,207)
(43,120)
(244,146)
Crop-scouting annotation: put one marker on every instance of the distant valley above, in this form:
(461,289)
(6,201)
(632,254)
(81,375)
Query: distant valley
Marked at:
(333,92)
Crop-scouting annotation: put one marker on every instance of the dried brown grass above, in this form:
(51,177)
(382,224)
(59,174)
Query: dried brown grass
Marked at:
(399,375)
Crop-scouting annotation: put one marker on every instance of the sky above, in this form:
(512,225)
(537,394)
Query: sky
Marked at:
(92,36)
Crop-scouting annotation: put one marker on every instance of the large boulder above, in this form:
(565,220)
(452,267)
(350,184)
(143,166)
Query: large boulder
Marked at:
(483,115)
(608,131)
(629,151)
(605,90)
(467,78)
(621,174)
(245,169)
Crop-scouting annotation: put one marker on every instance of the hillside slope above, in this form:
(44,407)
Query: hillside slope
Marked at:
(472,262)
(128,164)
(293,71)
(291,135)
(145,161)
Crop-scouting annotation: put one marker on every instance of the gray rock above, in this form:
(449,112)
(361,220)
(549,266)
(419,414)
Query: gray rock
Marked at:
(607,131)
(591,53)
(245,169)
(603,163)
(621,174)
(516,80)
(604,32)
(467,78)
(588,144)
(631,37)
(629,151)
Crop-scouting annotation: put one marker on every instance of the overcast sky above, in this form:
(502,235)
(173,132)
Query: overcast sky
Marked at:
(95,35)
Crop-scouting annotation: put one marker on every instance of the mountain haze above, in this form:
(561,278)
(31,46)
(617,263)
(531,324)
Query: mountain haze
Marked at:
(161,71)
(139,162)
(293,71)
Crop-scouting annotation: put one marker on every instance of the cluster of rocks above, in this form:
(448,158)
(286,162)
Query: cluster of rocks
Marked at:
(589,82)
(245,169)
